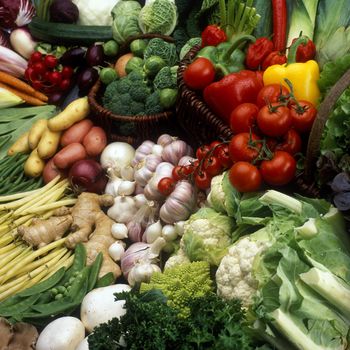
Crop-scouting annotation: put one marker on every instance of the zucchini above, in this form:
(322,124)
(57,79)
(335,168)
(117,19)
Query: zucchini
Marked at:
(68,34)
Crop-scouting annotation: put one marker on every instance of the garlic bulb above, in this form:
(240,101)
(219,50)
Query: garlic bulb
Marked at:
(135,231)
(169,233)
(123,209)
(153,231)
(157,150)
(126,188)
(174,151)
(127,173)
(144,170)
(119,231)
(142,272)
(179,227)
(140,200)
(186,160)
(116,250)
(165,139)
(142,151)
(113,186)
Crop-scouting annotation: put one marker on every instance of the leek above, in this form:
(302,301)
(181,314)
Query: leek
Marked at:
(8,99)
(302,18)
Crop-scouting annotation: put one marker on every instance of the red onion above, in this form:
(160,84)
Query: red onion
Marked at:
(87,175)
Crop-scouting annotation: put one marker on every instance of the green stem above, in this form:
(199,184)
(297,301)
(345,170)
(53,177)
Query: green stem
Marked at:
(238,40)
(223,15)
(294,47)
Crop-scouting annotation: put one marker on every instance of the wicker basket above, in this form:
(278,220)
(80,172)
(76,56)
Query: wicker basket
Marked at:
(193,115)
(144,126)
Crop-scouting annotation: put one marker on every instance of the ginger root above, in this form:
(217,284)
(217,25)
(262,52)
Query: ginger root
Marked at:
(43,232)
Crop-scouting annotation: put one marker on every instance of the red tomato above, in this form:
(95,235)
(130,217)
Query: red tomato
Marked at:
(212,166)
(188,169)
(166,185)
(279,170)
(202,180)
(272,93)
(178,173)
(245,177)
(224,156)
(215,146)
(244,147)
(274,120)
(202,151)
(199,74)
(291,142)
(303,115)
(243,117)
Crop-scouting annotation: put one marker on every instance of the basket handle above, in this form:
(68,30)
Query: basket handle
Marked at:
(313,146)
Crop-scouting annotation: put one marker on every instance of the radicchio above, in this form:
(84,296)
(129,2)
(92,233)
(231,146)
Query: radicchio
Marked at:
(15,13)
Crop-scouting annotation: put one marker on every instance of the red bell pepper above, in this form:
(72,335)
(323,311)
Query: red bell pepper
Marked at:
(275,57)
(226,94)
(213,35)
(257,52)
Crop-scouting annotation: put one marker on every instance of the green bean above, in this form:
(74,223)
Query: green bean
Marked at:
(4,140)
(105,280)
(94,271)
(44,285)
(19,307)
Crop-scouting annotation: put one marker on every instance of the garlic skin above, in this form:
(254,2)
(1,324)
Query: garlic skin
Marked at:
(144,169)
(186,160)
(180,227)
(135,231)
(142,151)
(142,272)
(112,186)
(116,250)
(152,232)
(119,231)
(169,233)
(123,209)
(140,200)
(174,151)
(126,188)
(157,150)
(165,140)
(180,204)
(127,173)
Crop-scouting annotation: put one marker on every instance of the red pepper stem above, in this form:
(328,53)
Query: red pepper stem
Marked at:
(292,54)
(237,41)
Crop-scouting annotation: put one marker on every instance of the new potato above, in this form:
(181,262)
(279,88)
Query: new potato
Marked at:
(76,132)
(35,132)
(48,143)
(34,165)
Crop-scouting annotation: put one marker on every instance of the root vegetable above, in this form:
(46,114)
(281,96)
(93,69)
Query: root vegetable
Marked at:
(121,63)
(34,165)
(20,146)
(48,143)
(95,141)
(99,306)
(69,154)
(42,232)
(77,110)
(51,171)
(64,333)
(35,132)
(76,132)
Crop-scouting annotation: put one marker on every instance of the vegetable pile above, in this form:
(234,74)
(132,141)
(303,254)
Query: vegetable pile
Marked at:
(119,229)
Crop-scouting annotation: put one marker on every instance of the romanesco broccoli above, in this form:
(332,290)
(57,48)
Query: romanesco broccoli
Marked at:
(181,284)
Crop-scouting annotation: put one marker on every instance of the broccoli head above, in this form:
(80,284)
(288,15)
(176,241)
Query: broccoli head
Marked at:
(123,86)
(181,284)
(152,105)
(166,78)
(163,49)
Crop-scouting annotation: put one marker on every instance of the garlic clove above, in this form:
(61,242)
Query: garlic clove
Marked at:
(116,250)
(165,139)
(140,200)
(157,150)
(180,227)
(127,173)
(119,231)
(126,188)
(169,233)
(153,231)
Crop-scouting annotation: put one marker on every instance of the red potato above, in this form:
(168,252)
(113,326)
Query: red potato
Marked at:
(51,171)
(68,155)
(95,141)
(76,132)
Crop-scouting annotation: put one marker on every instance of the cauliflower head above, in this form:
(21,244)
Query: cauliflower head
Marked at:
(182,283)
(234,276)
(207,236)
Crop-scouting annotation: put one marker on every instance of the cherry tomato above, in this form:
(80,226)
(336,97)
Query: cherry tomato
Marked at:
(50,61)
(244,147)
(279,170)
(199,74)
(291,142)
(243,117)
(178,173)
(166,185)
(224,156)
(272,93)
(36,56)
(245,177)
(67,72)
(303,115)
(274,120)
(212,166)
(215,146)
(202,180)
(202,151)
(188,169)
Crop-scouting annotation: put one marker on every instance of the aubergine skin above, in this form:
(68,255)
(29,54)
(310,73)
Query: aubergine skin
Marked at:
(64,11)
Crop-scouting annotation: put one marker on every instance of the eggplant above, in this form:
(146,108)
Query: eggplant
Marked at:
(73,57)
(95,55)
(87,78)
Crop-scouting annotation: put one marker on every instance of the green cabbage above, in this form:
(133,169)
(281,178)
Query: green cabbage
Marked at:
(158,16)
(125,16)
(207,236)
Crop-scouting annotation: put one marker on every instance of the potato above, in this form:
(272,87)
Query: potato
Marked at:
(48,143)
(76,132)
(20,146)
(95,141)
(34,165)
(51,171)
(121,63)
(35,132)
(77,110)
(68,155)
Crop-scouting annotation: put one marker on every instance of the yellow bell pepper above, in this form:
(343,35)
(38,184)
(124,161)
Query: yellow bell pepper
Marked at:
(303,76)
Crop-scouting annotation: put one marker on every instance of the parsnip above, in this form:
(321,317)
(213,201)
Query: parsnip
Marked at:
(74,112)
(36,131)
(48,143)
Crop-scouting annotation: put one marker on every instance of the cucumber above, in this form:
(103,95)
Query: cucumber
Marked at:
(68,34)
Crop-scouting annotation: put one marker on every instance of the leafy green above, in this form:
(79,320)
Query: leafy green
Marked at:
(332,31)
(161,48)
(150,323)
(158,16)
